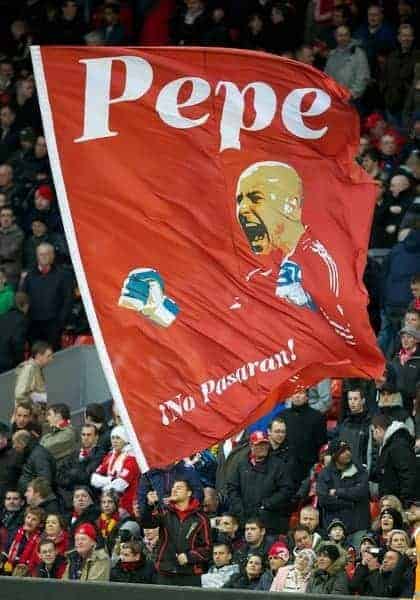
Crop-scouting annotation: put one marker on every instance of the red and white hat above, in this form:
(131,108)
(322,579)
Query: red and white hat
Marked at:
(258,437)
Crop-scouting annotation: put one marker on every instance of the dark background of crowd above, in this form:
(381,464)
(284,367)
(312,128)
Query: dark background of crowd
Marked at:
(263,504)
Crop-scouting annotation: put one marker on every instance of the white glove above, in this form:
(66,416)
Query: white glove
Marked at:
(119,485)
(100,481)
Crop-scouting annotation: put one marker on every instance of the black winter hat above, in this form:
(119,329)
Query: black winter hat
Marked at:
(330,550)
(336,446)
(337,523)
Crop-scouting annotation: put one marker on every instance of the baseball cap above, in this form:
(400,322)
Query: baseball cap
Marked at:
(411,331)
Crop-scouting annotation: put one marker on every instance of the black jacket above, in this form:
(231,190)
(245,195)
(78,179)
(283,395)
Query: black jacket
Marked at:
(396,468)
(50,294)
(81,470)
(38,462)
(398,583)
(406,377)
(191,536)
(306,432)
(54,572)
(9,524)
(51,505)
(141,572)
(350,504)
(357,432)
(89,515)
(13,327)
(240,581)
(10,466)
(264,489)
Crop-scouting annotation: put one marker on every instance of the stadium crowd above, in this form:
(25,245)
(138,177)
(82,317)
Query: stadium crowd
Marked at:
(324,497)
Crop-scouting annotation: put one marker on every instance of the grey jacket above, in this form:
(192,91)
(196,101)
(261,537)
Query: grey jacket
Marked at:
(349,67)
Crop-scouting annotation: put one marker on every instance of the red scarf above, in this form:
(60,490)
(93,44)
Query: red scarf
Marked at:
(29,555)
(44,270)
(131,566)
(417,303)
(63,423)
(84,453)
(406,355)
(107,523)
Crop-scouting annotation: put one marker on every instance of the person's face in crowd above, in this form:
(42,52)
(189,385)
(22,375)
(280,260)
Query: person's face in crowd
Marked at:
(356,403)
(81,500)
(387,399)
(406,37)
(375,17)
(387,522)
(253,567)
(40,148)
(31,496)
(413,514)
(378,434)
(89,437)
(309,518)
(323,562)
(52,526)
(110,17)
(83,544)
(6,71)
(276,15)
(45,255)
(31,523)
(398,184)
(390,561)
(342,36)
(336,534)
(261,450)
(306,56)
(7,117)
(48,553)
(18,29)
(388,146)
(255,24)
(180,493)
(276,562)
(408,342)
(69,10)
(368,164)
(365,545)
(44,359)
(302,563)
(412,319)
(6,218)
(39,228)
(228,526)
(194,5)
(277,433)
(303,540)
(151,534)
(22,417)
(108,506)
(27,88)
(398,542)
(218,15)
(41,203)
(254,535)
(117,443)
(210,501)
(13,501)
(299,399)
(127,555)
(221,555)
(415,289)
(53,418)
(6,175)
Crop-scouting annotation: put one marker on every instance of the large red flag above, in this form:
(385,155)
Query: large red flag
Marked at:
(218,225)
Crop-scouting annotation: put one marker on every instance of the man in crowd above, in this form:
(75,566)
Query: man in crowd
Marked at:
(222,569)
(356,429)
(184,536)
(30,381)
(9,462)
(256,541)
(39,493)
(84,508)
(406,366)
(85,460)
(37,461)
(303,538)
(11,246)
(87,562)
(24,418)
(11,517)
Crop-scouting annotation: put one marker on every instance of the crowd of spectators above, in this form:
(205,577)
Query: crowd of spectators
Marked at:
(324,497)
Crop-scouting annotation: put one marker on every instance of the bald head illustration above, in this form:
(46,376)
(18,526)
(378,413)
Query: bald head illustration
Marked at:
(269,198)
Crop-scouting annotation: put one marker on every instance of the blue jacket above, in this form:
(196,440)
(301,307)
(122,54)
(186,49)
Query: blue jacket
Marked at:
(402,263)
(161,481)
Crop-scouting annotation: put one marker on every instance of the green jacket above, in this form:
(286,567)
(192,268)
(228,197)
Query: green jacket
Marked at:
(333,581)
(61,442)
(7,299)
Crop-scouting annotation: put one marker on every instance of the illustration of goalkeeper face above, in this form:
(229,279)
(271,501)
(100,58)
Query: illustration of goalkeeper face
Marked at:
(269,198)
(143,291)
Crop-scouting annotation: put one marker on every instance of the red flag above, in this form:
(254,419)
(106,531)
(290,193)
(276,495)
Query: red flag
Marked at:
(218,225)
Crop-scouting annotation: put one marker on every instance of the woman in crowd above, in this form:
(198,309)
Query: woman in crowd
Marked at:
(329,576)
(295,578)
(278,557)
(249,579)
(56,531)
(389,519)
(132,566)
(109,518)
(398,540)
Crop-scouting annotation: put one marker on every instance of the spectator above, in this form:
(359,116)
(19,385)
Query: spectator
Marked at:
(113,32)
(343,490)
(10,188)
(11,517)
(53,564)
(370,163)
(389,519)
(348,64)
(132,567)
(329,576)
(211,504)
(306,431)
(189,23)
(392,579)
(22,557)
(40,235)
(61,440)
(39,493)
(262,486)
(7,296)
(295,577)
(30,381)
(69,29)
(9,137)
(84,461)
(182,558)
(250,578)
(375,35)
(56,532)
(118,471)
(13,327)
(398,540)
(151,543)
(11,246)
(396,467)
(37,461)
(391,404)
(9,462)
(24,418)
(84,508)
(278,557)
(356,429)
(257,541)
(309,517)
(45,209)
(228,531)
(222,569)
(406,365)
(277,435)
(109,518)
(86,562)
(305,55)
(95,415)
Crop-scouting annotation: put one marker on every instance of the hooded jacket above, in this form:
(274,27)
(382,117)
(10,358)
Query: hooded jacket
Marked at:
(332,581)
(396,468)
(395,410)
(180,532)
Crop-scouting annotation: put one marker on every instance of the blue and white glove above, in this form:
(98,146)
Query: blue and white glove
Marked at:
(143,291)
(289,286)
